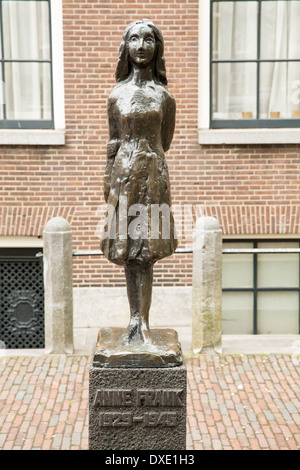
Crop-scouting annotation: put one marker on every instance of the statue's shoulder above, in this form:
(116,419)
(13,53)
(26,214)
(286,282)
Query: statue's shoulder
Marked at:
(115,93)
(169,99)
(167,94)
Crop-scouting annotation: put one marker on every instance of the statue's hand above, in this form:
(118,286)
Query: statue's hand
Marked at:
(107,177)
(112,148)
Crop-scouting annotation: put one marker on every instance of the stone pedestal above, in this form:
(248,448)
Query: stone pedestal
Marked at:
(136,408)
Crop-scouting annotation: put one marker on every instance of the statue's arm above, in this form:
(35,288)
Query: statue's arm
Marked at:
(112,145)
(114,131)
(168,122)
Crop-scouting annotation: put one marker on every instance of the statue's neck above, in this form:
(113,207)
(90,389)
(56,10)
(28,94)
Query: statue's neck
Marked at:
(140,75)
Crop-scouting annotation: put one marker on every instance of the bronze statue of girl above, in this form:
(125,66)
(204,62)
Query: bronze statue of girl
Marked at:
(141,115)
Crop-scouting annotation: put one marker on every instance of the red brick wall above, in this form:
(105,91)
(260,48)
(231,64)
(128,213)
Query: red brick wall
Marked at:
(251,189)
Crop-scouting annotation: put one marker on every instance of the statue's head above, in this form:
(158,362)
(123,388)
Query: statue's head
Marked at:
(124,63)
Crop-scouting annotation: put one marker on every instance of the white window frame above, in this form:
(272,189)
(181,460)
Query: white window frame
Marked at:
(54,136)
(208,136)
(21,242)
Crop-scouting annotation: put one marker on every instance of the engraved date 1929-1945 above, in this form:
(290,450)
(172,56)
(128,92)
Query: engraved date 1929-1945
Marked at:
(152,418)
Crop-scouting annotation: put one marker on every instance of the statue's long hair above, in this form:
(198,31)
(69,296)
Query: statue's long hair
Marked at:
(124,66)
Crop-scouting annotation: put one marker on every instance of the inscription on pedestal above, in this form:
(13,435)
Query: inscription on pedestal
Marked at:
(139,399)
(110,397)
(137,408)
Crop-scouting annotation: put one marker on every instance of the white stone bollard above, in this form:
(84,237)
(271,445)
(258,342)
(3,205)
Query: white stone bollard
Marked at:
(207,287)
(58,284)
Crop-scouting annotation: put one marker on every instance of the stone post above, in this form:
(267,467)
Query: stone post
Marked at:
(58,282)
(207,287)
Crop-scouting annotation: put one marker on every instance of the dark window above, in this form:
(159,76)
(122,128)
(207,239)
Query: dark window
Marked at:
(261,291)
(21,299)
(255,63)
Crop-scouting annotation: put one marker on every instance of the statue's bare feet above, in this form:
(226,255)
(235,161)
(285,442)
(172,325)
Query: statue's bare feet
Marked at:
(137,331)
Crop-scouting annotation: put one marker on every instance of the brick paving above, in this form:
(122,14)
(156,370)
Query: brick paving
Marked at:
(235,402)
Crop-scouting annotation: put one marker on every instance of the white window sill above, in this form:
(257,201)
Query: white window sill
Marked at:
(249,136)
(32,137)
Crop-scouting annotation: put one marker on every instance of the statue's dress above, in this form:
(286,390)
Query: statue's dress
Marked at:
(140,225)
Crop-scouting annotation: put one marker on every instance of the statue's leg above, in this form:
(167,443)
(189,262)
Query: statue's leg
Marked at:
(139,281)
(134,303)
(145,285)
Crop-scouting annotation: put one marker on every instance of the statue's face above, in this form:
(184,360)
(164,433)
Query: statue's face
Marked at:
(141,45)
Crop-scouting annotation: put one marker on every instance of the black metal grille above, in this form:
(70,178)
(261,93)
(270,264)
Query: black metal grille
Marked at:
(21,303)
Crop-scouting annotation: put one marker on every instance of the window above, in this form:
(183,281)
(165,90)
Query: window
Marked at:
(261,291)
(21,299)
(255,63)
(31,73)
(249,67)
(26,66)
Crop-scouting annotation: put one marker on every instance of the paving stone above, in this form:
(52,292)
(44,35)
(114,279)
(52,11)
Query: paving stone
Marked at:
(44,403)
(291,408)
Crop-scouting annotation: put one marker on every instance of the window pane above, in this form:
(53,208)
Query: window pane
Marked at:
(280,32)
(237,316)
(2,95)
(277,312)
(278,270)
(234,90)
(28,91)
(237,270)
(0,42)
(280,90)
(235,30)
(26,30)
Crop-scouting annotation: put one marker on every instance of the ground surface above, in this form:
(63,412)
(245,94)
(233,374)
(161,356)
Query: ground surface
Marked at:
(234,402)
